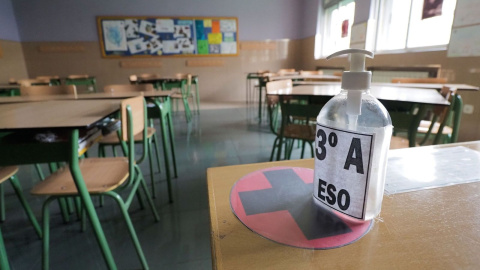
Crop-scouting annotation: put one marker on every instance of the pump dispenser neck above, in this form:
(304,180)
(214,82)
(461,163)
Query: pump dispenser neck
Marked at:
(355,79)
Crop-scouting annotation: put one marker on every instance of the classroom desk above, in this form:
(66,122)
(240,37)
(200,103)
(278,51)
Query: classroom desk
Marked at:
(158,80)
(426,229)
(384,93)
(99,95)
(438,86)
(264,78)
(161,110)
(70,116)
(393,98)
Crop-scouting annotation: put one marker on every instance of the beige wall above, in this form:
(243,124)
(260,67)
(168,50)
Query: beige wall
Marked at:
(12,62)
(457,70)
(224,83)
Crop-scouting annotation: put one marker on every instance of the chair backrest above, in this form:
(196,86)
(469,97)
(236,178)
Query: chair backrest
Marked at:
(419,80)
(284,71)
(137,107)
(311,72)
(45,90)
(124,88)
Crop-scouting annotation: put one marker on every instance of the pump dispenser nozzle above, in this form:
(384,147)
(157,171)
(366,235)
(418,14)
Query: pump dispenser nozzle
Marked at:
(355,79)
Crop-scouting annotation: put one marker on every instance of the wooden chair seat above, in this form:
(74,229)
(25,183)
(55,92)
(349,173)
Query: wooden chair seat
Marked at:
(398,143)
(100,175)
(112,137)
(425,125)
(7,172)
(301,132)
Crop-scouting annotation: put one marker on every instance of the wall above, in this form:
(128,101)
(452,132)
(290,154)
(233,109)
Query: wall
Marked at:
(12,62)
(277,24)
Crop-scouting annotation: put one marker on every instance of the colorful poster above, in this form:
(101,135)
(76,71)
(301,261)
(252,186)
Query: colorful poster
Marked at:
(215,27)
(202,46)
(215,38)
(228,26)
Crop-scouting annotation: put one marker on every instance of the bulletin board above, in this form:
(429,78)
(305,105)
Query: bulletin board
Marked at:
(168,36)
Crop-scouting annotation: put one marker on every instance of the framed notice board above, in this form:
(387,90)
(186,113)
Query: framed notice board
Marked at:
(168,36)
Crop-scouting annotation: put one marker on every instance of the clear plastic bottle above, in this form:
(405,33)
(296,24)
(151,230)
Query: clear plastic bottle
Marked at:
(353,113)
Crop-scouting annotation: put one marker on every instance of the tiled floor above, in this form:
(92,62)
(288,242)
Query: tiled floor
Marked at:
(217,137)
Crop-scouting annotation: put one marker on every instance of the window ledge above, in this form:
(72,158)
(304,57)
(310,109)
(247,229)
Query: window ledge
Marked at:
(417,49)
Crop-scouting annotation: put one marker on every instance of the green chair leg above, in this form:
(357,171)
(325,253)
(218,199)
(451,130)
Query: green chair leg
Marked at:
(18,190)
(131,230)
(150,163)
(2,203)
(40,173)
(46,234)
(172,142)
(4,265)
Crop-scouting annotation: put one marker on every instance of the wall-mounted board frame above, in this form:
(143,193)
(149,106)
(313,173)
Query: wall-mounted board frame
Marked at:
(150,36)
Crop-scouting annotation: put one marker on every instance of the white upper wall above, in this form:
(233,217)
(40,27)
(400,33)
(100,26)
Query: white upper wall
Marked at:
(74,20)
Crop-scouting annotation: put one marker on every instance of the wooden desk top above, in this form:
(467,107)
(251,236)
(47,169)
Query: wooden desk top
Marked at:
(298,76)
(414,95)
(437,86)
(428,229)
(101,95)
(55,114)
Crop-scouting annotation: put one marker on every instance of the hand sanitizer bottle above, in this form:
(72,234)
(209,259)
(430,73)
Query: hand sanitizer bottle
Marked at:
(352,141)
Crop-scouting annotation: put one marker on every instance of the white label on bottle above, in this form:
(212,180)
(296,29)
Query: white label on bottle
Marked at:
(342,169)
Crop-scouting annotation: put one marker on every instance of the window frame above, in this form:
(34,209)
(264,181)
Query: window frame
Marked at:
(405,49)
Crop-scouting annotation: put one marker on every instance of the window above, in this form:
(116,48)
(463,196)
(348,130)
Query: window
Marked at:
(338,20)
(412,24)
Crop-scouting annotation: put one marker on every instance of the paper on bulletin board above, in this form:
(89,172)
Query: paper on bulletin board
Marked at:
(114,35)
(464,41)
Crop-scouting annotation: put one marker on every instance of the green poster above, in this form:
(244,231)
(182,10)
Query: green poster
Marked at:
(202,46)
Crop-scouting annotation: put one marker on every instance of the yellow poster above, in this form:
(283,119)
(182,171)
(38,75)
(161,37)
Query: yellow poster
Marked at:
(214,38)
(207,23)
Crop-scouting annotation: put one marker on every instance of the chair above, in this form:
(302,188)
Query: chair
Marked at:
(444,124)
(86,80)
(45,90)
(152,140)
(105,176)
(9,173)
(419,80)
(194,95)
(183,85)
(297,119)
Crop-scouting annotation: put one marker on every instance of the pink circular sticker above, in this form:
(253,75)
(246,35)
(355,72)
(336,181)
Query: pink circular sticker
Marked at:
(277,203)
